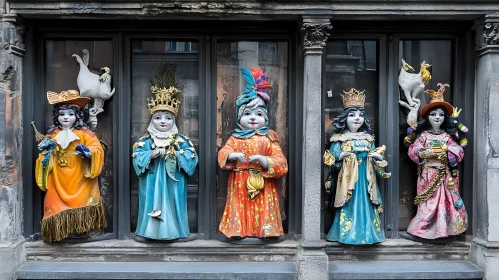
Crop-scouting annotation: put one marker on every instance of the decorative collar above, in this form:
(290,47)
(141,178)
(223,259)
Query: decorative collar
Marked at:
(158,134)
(65,137)
(342,137)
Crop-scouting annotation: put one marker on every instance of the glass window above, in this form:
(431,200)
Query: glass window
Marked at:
(439,54)
(272,57)
(146,57)
(349,64)
(61,73)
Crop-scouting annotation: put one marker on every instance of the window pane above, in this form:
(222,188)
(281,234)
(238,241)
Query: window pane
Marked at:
(61,72)
(146,57)
(349,64)
(272,57)
(439,54)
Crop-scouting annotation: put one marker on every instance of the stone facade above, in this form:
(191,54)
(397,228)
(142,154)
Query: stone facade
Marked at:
(311,254)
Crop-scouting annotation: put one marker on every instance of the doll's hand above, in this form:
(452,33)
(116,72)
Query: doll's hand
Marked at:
(84,151)
(264,163)
(237,156)
(375,156)
(158,152)
(344,155)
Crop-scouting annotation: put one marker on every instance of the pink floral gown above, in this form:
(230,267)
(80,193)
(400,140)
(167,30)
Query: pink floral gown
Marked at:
(443,214)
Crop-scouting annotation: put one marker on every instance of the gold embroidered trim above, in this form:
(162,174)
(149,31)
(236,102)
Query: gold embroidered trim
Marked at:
(342,137)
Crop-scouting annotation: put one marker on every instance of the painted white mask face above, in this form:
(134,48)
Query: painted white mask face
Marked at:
(355,120)
(163,121)
(66,118)
(436,118)
(252,118)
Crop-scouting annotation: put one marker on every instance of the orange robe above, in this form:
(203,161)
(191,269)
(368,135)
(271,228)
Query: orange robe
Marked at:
(72,204)
(259,216)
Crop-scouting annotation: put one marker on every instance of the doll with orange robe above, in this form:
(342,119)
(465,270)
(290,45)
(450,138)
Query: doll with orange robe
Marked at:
(254,159)
(70,160)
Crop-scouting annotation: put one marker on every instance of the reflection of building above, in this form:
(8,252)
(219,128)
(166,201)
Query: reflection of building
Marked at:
(306,51)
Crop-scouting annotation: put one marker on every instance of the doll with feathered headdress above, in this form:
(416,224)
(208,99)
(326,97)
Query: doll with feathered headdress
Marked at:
(254,159)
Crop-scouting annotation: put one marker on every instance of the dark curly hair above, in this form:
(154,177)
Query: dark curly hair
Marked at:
(79,123)
(340,122)
(449,125)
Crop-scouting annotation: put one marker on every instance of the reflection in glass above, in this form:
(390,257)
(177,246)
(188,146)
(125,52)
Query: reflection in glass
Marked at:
(146,56)
(272,57)
(61,73)
(349,64)
(439,54)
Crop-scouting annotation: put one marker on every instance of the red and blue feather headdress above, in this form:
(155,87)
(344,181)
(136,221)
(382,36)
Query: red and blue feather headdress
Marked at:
(257,84)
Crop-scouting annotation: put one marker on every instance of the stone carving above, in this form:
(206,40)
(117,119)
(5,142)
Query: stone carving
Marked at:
(13,36)
(491,33)
(316,34)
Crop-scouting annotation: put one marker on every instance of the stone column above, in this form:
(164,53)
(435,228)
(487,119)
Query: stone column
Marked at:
(312,260)
(11,217)
(486,154)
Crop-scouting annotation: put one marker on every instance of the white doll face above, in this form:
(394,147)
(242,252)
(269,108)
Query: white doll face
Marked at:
(436,118)
(163,121)
(252,118)
(66,118)
(355,120)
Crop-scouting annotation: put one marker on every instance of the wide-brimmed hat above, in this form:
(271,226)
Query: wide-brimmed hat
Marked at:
(437,100)
(70,96)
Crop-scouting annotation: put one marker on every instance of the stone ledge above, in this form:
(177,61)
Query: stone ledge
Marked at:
(129,250)
(213,250)
(156,270)
(404,270)
(399,250)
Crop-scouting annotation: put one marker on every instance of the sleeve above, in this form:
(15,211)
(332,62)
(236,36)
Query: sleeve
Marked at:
(455,152)
(186,155)
(414,149)
(224,153)
(93,166)
(141,156)
(335,150)
(41,172)
(277,163)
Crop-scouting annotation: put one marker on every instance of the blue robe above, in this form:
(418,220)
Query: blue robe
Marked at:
(159,191)
(357,222)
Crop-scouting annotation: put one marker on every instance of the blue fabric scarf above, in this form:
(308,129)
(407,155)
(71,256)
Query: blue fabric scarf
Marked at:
(240,132)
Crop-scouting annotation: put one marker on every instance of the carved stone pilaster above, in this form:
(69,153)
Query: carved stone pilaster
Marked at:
(491,33)
(11,208)
(487,31)
(12,35)
(316,32)
(312,260)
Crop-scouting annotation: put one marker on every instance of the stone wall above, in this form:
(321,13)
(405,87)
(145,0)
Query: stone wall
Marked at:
(11,214)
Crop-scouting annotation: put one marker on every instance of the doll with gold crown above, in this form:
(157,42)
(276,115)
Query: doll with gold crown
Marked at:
(70,161)
(355,163)
(254,159)
(163,159)
(437,149)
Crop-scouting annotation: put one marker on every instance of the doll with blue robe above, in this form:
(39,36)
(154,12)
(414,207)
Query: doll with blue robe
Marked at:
(163,159)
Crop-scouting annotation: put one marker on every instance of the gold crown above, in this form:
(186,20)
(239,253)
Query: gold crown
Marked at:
(353,98)
(164,101)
